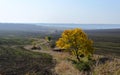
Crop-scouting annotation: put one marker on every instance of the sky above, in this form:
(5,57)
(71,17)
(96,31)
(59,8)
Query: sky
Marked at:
(60,11)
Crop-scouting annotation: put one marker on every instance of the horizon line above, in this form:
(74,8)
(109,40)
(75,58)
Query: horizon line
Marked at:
(51,23)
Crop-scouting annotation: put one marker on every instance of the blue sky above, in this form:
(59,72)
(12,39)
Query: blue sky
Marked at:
(60,11)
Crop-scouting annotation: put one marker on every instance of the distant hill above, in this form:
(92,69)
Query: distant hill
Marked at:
(20,27)
(28,27)
(50,26)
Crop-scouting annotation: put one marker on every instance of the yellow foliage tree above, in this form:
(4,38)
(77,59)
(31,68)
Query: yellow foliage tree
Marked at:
(76,42)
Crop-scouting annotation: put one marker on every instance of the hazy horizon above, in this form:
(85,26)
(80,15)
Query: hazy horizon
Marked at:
(38,26)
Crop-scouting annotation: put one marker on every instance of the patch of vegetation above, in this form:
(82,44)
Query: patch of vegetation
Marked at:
(82,66)
(18,61)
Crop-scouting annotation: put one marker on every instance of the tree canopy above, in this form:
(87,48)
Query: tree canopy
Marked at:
(76,42)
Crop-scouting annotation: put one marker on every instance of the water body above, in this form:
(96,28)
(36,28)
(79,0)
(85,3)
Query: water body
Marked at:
(83,26)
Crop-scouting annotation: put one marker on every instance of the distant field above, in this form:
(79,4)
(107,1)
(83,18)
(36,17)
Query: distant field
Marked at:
(106,42)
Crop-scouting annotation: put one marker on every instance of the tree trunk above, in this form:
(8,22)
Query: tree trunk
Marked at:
(77,56)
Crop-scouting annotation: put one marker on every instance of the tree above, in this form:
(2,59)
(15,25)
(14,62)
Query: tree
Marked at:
(76,42)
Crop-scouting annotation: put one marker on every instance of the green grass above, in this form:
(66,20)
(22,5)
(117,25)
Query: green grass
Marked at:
(18,61)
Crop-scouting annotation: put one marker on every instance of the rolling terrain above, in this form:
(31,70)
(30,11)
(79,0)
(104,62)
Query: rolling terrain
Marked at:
(15,59)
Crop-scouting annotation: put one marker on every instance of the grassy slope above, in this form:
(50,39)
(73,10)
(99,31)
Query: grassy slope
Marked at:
(18,61)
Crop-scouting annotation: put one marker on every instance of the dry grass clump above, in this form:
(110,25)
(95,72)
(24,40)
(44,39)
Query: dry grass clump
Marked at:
(109,67)
(66,68)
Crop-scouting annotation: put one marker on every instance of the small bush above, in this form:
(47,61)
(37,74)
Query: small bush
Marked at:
(82,66)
